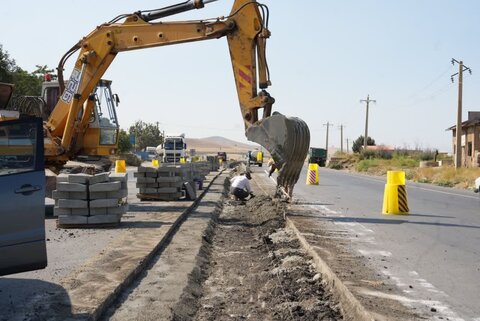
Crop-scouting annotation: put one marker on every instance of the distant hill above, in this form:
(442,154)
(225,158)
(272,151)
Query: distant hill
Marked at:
(217,143)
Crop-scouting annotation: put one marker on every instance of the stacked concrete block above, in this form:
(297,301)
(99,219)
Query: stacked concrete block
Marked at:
(162,183)
(171,182)
(212,162)
(82,199)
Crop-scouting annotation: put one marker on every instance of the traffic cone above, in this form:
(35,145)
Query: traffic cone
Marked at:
(120,166)
(395,199)
(312,174)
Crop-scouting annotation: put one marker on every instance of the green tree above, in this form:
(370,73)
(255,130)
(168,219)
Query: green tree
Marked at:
(26,84)
(124,144)
(146,134)
(7,66)
(358,143)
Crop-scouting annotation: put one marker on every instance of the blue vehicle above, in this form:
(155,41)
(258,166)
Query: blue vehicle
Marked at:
(22,196)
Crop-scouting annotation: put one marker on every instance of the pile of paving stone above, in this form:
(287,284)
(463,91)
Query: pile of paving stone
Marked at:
(83,199)
(171,182)
(164,183)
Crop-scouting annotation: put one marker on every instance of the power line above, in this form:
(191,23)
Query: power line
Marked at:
(437,78)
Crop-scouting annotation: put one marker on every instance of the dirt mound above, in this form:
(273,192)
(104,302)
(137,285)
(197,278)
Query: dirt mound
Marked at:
(257,270)
(262,209)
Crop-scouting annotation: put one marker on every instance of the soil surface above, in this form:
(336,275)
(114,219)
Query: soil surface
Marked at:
(256,269)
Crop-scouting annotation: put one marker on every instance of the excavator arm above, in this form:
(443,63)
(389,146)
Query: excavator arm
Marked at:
(246,31)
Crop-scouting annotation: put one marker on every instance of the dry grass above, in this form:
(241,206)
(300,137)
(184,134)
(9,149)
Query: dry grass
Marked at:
(447,176)
(444,176)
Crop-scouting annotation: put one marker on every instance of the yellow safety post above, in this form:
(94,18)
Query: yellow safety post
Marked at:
(312,174)
(395,196)
(155,163)
(120,166)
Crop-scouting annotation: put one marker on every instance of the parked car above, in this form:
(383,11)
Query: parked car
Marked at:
(22,196)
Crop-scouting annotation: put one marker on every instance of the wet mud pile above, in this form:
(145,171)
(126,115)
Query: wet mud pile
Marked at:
(255,269)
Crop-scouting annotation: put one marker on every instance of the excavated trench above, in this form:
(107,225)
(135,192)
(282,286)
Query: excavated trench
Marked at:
(252,267)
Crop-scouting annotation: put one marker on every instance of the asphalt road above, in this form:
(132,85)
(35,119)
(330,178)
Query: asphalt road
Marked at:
(432,254)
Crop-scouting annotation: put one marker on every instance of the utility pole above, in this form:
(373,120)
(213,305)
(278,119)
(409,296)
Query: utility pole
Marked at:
(458,144)
(347,147)
(341,137)
(365,139)
(326,143)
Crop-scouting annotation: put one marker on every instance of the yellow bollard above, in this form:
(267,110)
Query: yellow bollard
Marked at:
(395,195)
(312,174)
(120,166)
(182,160)
(155,163)
(260,157)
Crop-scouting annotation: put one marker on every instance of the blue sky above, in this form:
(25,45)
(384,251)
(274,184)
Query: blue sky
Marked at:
(324,57)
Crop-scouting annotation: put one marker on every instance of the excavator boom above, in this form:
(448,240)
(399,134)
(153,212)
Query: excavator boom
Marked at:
(246,30)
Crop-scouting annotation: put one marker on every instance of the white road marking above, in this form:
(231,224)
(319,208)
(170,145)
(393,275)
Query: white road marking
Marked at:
(403,284)
(441,308)
(375,252)
(442,192)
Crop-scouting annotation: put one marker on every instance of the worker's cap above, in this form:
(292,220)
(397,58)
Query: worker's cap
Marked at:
(247,175)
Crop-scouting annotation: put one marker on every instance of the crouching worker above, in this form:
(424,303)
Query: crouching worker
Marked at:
(240,186)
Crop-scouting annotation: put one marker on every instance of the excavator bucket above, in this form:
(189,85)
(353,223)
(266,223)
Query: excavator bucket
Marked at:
(287,139)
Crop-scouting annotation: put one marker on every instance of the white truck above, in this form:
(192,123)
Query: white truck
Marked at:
(173,149)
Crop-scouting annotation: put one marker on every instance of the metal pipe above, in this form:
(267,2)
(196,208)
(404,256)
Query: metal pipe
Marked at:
(174,9)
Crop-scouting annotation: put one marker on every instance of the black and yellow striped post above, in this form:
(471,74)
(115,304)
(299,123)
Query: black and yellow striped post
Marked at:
(395,199)
(312,174)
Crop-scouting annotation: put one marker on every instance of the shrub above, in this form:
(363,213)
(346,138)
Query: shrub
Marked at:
(398,153)
(366,164)
(371,154)
(335,166)
(426,155)
(367,154)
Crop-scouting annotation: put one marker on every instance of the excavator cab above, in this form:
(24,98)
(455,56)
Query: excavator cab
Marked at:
(101,134)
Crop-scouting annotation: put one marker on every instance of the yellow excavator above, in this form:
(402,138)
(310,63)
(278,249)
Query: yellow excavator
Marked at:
(246,30)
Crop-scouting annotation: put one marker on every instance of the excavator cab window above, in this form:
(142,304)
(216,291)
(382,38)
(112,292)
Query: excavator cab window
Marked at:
(105,115)
(50,94)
